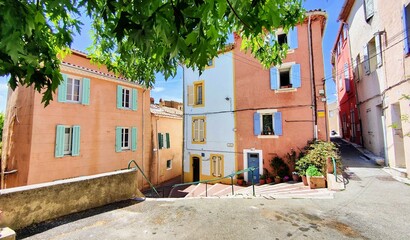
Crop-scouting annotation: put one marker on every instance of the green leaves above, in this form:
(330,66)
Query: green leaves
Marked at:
(134,38)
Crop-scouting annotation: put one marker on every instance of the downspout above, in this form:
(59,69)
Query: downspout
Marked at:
(183,123)
(326,112)
(156,136)
(143,134)
(312,79)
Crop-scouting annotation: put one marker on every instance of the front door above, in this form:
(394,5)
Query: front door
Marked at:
(195,169)
(253,161)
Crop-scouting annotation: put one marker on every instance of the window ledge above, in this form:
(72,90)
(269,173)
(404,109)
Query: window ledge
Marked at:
(283,90)
(268,136)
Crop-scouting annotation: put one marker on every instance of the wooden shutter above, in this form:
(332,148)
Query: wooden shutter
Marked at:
(405,31)
(59,148)
(160,141)
(118,139)
(295,77)
(62,89)
(75,151)
(85,91)
(168,143)
(190,95)
(133,139)
(366,62)
(134,98)
(274,78)
(256,124)
(293,38)
(277,125)
(119,96)
(369,9)
(201,130)
(377,41)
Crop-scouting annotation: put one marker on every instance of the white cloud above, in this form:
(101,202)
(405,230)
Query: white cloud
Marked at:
(158,89)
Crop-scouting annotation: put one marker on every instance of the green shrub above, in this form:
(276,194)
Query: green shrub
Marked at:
(280,168)
(313,171)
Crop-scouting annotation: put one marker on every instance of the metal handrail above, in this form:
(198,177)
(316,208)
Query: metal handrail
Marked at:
(142,172)
(334,168)
(251,169)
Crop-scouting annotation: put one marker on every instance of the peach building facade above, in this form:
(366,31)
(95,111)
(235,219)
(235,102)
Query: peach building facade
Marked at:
(283,109)
(96,123)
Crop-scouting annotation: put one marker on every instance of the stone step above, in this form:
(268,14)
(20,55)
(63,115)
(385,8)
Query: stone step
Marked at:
(334,185)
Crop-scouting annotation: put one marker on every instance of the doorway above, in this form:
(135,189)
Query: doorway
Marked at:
(398,143)
(253,161)
(195,169)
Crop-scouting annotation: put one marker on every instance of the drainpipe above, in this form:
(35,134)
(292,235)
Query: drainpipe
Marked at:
(326,111)
(156,136)
(143,134)
(312,79)
(183,123)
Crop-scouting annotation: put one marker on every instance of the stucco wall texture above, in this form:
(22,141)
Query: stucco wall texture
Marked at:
(27,205)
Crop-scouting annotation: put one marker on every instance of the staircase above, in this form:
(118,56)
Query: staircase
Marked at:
(269,191)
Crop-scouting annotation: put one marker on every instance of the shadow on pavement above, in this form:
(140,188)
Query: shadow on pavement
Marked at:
(44,226)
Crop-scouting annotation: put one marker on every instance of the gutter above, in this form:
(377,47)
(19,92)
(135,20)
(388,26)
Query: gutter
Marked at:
(312,79)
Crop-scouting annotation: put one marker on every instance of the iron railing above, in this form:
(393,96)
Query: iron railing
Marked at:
(142,172)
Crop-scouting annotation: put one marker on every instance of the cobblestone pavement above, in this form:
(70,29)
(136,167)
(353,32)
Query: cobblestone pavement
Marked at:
(373,206)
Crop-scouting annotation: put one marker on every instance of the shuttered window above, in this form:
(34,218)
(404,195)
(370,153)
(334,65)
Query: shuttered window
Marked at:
(282,78)
(198,130)
(217,162)
(164,140)
(126,139)
(67,141)
(368,9)
(127,98)
(74,89)
(267,123)
(406,25)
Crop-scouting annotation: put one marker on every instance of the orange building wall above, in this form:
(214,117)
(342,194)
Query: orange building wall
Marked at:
(97,138)
(297,115)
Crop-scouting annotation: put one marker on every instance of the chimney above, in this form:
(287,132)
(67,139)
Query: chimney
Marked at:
(152,100)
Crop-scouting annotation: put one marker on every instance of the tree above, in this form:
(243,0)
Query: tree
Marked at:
(136,38)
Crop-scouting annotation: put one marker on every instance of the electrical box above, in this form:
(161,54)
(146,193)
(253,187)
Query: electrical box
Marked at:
(321,92)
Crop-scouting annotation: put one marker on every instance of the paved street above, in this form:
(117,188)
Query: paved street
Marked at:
(373,206)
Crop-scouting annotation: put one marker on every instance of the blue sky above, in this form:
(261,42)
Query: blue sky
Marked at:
(172,88)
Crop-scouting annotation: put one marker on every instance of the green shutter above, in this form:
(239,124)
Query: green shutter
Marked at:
(168,140)
(119,96)
(75,151)
(59,151)
(118,139)
(134,99)
(85,95)
(62,89)
(134,139)
(160,141)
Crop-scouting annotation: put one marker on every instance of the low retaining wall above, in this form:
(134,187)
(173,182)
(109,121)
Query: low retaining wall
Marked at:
(23,206)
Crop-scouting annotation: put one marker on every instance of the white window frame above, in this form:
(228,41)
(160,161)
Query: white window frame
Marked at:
(267,112)
(125,145)
(70,140)
(73,79)
(284,67)
(170,164)
(123,98)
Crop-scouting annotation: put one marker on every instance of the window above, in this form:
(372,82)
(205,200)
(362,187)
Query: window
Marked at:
(282,38)
(290,38)
(210,64)
(198,130)
(127,98)
(368,9)
(169,164)
(67,141)
(196,94)
(372,55)
(406,26)
(347,77)
(287,76)
(357,70)
(125,139)
(163,142)
(345,30)
(267,122)
(216,165)
(74,89)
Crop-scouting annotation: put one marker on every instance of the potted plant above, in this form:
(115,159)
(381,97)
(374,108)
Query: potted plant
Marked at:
(239,179)
(277,179)
(269,179)
(262,179)
(295,176)
(286,178)
(315,178)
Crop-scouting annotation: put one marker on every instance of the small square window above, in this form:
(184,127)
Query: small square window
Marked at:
(284,75)
(126,96)
(169,164)
(282,38)
(267,124)
(68,136)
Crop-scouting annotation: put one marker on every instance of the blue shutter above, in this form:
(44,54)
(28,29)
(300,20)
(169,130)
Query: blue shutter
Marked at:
(59,151)
(62,89)
(160,141)
(274,83)
(405,29)
(272,39)
(85,95)
(118,139)
(295,76)
(366,62)
(277,125)
(134,99)
(134,139)
(119,96)
(256,124)
(347,83)
(168,140)
(75,151)
(293,38)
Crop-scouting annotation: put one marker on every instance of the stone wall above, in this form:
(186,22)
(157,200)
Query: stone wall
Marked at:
(23,206)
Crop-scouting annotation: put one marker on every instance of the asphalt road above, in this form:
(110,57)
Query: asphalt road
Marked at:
(373,206)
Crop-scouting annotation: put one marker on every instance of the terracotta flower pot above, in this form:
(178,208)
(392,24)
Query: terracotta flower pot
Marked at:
(329,165)
(304,180)
(316,182)
(239,182)
(295,177)
(261,181)
(269,180)
(277,180)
